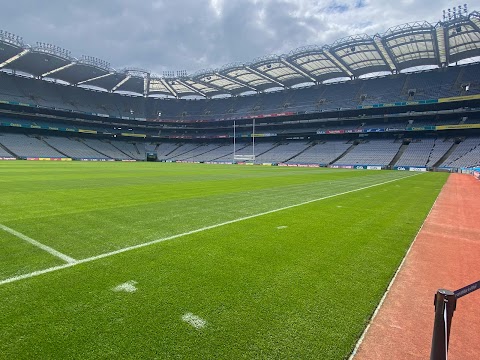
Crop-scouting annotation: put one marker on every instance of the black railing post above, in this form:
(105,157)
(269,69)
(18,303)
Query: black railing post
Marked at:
(445,304)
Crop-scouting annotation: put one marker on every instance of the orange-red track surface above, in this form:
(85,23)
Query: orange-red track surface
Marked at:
(445,254)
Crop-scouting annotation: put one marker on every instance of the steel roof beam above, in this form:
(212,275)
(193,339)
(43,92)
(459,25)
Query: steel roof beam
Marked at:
(13,58)
(442,44)
(475,22)
(298,70)
(386,56)
(169,88)
(338,62)
(146,84)
(238,82)
(128,77)
(192,88)
(264,76)
(94,78)
(219,88)
(57,69)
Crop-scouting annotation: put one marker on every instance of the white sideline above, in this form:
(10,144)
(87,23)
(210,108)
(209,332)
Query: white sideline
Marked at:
(46,248)
(382,300)
(129,248)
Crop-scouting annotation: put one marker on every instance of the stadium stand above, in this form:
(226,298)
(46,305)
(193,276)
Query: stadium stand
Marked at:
(467,154)
(74,148)
(165,149)
(4,152)
(203,152)
(130,149)
(282,152)
(182,151)
(414,101)
(28,147)
(106,149)
(425,85)
(373,152)
(424,152)
(322,153)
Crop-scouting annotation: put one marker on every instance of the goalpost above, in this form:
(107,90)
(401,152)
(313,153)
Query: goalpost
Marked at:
(243,157)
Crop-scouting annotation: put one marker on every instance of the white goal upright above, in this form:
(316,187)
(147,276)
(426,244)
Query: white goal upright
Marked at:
(243,157)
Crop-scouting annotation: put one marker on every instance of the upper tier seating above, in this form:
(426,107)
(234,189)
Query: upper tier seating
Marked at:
(349,94)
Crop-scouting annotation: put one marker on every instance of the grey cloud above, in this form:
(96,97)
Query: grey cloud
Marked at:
(189,34)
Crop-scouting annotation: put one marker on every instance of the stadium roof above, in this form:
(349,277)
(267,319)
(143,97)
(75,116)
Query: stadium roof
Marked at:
(399,48)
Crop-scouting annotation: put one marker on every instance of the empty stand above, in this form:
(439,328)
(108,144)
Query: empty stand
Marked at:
(432,84)
(322,153)
(373,152)
(424,152)
(26,146)
(74,148)
(467,154)
(282,152)
(107,149)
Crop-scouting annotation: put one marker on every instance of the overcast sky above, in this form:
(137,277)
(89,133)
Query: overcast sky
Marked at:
(200,34)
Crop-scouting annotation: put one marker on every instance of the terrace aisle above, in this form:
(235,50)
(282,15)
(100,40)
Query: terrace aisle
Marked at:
(445,255)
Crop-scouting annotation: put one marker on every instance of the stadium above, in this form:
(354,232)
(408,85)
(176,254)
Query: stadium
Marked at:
(130,229)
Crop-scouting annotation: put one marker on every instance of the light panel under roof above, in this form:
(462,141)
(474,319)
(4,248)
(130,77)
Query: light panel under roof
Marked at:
(316,64)
(204,88)
(248,77)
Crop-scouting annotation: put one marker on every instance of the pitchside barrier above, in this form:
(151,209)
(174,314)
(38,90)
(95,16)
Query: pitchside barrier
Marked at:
(244,157)
(445,304)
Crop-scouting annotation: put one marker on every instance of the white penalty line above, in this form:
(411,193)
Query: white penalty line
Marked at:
(134,247)
(44,247)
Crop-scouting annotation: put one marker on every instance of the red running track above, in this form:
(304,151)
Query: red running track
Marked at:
(445,254)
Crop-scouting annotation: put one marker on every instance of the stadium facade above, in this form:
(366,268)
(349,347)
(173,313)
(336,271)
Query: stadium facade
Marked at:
(408,98)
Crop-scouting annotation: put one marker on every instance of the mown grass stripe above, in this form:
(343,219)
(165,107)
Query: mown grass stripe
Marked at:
(390,284)
(138,246)
(44,247)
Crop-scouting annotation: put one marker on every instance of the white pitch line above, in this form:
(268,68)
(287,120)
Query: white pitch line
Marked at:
(384,297)
(46,248)
(194,320)
(128,287)
(134,247)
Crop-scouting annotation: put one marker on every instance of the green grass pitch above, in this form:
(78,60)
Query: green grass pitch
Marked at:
(298,283)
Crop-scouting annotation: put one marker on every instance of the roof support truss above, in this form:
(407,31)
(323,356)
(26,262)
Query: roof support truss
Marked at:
(441,45)
(264,76)
(57,69)
(169,88)
(191,88)
(92,79)
(338,62)
(146,84)
(298,70)
(13,58)
(385,55)
(238,82)
(128,77)
(222,90)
